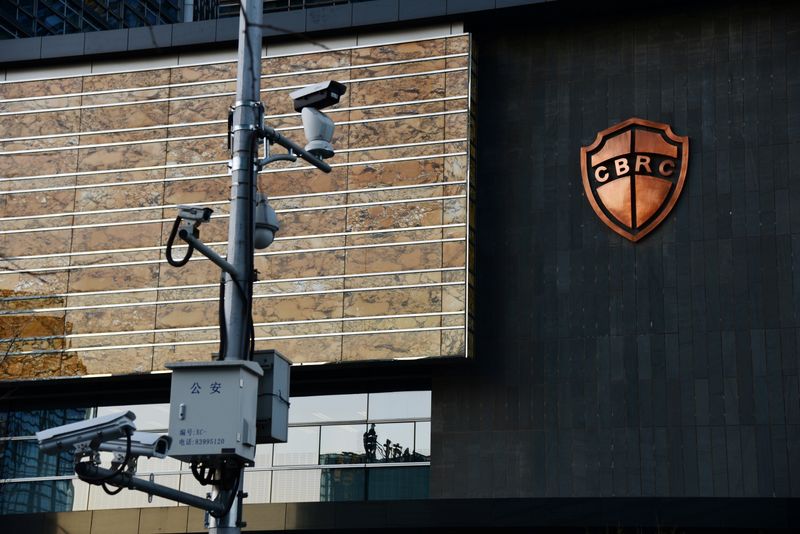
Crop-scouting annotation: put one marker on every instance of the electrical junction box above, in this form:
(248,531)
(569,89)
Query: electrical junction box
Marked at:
(272,421)
(212,412)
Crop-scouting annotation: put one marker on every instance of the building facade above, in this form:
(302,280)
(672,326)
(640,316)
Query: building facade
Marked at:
(577,379)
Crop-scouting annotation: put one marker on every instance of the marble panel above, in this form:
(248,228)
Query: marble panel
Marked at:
(27,332)
(197,150)
(28,145)
(398,131)
(420,66)
(218,128)
(454,342)
(325,263)
(304,350)
(303,62)
(119,197)
(117,319)
(374,325)
(136,234)
(173,174)
(197,271)
(403,215)
(421,87)
(394,258)
(200,108)
(106,278)
(303,223)
(456,167)
(111,341)
(455,126)
(32,282)
(197,191)
(117,361)
(297,308)
(30,124)
(274,333)
(101,179)
(454,254)
(186,314)
(126,80)
(20,245)
(458,44)
(457,104)
(32,366)
(203,336)
(288,246)
(396,52)
(126,300)
(183,353)
(32,106)
(455,211)
(390,346)
(40,163)
(211,291)
(128,116)
(388,238)
(392,301)
(125,156)
(200,73)
(396,111)
(457,82)
(226,89)
(431,277)
(410,172)
(454,298)
(53,86)
(303,181)
(143,136)
(37,203)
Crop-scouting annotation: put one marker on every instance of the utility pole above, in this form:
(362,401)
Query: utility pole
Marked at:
(238,292)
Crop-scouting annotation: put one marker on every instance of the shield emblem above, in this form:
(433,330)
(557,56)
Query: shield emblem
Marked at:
(633,174)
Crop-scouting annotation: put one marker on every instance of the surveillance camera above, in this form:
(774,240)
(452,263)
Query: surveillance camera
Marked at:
(195,213)
(318,96)
(319,132)
(84,436)
(266,222)
(142,444)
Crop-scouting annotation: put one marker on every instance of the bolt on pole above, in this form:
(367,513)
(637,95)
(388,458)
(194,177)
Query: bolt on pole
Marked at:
(238,289)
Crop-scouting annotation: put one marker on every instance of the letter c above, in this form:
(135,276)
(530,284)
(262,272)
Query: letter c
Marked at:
(601,174)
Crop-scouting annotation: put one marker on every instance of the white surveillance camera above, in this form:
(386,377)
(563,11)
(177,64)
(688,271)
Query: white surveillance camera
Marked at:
(266,223)
(319,132)
(318,96)
(85,436)
(195,213)
(147,444)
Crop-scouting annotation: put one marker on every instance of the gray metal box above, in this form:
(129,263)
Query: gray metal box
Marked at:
(213,410)
(272,421)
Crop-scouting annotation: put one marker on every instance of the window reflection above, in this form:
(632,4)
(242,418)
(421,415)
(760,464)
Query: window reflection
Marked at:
(328,408)
(301,447)
(400,405)
(390,442)
(341,444)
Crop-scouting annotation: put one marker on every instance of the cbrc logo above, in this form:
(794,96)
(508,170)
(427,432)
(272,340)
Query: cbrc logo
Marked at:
(633,174)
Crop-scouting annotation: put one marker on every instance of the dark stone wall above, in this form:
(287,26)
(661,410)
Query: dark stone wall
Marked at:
(607,368)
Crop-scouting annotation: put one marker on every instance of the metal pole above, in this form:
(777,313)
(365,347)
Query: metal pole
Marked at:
(241,224)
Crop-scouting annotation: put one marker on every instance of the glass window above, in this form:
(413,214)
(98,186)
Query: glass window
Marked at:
(395,483)
(36,497)
(328,408)
(296,485)
(342,444)
(342,485)
(395,442)
(399,405)
(301,448)
(422,442)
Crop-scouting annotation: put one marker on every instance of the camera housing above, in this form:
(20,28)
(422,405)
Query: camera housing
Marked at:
(266,222)
(318,95)
(149,444)
(86,436)
(194,213)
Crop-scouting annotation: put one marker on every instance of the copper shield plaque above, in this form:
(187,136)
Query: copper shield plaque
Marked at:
(633,174)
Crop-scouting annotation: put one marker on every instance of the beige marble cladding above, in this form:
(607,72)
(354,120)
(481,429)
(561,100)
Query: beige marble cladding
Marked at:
(321,294)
